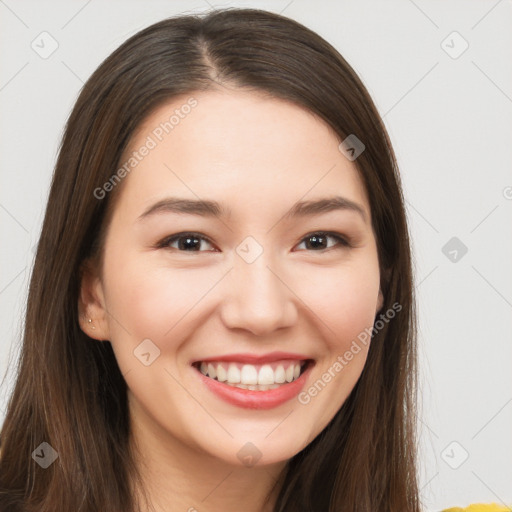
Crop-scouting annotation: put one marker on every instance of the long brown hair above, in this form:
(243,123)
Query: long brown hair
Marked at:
(69,391)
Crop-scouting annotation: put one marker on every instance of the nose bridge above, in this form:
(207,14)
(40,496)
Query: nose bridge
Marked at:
(257,300)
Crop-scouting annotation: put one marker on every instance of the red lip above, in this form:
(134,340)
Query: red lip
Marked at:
(253,358)
(256,399)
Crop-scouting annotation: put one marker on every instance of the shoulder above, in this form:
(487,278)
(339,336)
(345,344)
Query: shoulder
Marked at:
(481,507)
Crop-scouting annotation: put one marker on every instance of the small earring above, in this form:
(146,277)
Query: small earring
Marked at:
(90,321)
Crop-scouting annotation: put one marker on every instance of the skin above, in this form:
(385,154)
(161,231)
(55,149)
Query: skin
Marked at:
(257,156)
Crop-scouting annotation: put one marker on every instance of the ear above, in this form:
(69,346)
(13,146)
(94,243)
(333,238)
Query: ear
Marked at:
(380,301)
(91,303)
(386,274)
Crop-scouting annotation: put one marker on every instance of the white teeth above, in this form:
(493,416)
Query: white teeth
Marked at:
(248,375)
(222,375)
(211,371)
(266,375)
(279,375)
(233,374)
(254,387)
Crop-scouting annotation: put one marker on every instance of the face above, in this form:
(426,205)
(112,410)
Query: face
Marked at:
(261,288)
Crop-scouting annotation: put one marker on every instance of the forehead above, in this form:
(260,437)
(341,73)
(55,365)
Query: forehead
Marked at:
(237,145)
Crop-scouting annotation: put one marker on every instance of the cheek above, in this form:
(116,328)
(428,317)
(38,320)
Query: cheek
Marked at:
(149,301)
(344,299)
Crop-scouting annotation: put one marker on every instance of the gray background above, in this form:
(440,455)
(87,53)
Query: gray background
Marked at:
(449,117)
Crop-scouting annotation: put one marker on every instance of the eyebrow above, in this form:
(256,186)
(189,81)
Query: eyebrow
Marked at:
(207,208)
(325,205)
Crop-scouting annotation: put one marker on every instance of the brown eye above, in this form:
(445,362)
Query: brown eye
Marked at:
(320,241)
(191,242)
(184,242)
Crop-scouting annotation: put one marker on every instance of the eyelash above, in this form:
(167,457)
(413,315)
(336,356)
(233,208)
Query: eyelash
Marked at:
(343,241)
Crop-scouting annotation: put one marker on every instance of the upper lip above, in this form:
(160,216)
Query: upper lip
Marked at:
(254,358)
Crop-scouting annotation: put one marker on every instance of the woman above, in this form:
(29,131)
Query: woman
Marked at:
(268,372)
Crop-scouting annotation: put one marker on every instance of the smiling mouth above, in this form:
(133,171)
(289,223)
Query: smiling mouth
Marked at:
(254,377)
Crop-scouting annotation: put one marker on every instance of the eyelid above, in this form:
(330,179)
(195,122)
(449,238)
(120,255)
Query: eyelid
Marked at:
(344,241)
(163,244)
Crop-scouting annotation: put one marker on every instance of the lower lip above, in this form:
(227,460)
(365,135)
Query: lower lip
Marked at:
(256,399)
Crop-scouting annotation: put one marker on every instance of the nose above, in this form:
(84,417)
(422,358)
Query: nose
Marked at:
(258,299)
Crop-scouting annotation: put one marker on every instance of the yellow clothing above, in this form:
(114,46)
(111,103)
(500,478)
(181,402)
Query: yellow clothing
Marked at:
(481,507)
